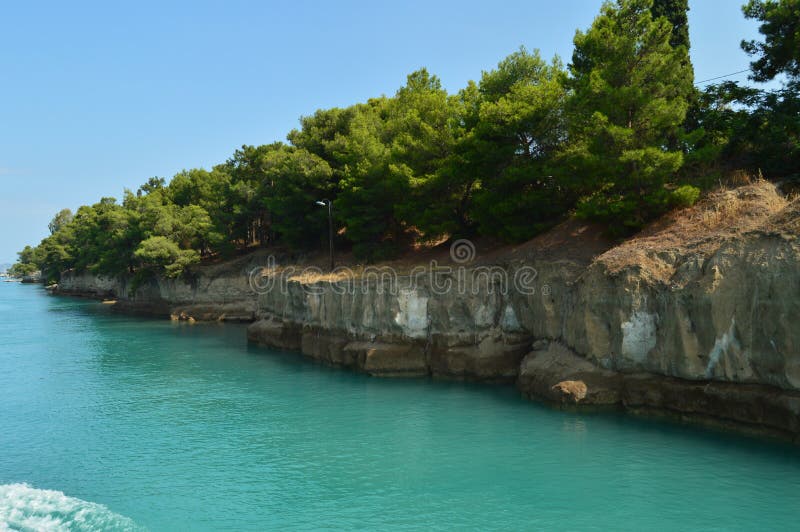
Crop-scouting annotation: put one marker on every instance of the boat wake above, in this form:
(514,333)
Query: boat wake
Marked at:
(25,508)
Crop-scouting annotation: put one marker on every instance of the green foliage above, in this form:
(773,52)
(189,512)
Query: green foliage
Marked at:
(685,196)
(752,129)
(630,96)
(780,50)
(449,209)
(161,254)
(54,256)
(300,179)
(105,235)
(520,126)
(27,263)
(421,131)
(22,269)
(677,14)
(760,130)
(246,215)
(619,137)
(368,189)
(60,221)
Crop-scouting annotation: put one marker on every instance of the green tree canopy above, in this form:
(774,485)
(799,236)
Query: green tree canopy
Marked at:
(525,146)
(677,13)
(60,221)
(300,179)
(779,52)
(369,192)
(162,255)
(630,96)
(520,126)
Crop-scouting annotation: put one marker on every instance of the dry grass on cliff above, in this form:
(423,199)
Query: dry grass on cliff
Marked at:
(746,205)
(701,229)
(787,220)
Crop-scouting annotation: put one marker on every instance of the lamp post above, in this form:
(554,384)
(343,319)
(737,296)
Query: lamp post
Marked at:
(329,204)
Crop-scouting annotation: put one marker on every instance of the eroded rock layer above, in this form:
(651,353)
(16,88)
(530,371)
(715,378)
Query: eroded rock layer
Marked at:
(698,317)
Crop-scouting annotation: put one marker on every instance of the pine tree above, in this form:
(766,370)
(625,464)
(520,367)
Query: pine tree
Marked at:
(677,13)
(520,126)
(780,51)
(630,90)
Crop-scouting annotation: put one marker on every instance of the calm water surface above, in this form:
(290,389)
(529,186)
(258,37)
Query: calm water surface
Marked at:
(144,423)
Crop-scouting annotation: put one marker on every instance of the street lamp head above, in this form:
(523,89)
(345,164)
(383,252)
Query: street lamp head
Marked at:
(325,202)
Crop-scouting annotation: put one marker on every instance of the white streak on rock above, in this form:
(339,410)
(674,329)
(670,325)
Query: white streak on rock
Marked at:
(721,345)
(639,335)
(412,314)
(509,322)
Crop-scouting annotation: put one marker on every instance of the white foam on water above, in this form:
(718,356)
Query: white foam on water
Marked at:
(25,508)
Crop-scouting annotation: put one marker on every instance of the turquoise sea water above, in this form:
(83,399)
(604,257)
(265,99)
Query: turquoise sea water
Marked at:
(116,422)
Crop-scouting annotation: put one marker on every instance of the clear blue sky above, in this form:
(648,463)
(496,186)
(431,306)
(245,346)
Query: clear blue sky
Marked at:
(97,97)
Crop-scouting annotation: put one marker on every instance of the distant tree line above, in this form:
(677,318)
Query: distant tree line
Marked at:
(618,136)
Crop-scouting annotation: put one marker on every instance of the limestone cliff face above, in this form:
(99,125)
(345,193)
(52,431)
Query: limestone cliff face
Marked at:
(698,316)
(733,315)
(213,292)
(472,332)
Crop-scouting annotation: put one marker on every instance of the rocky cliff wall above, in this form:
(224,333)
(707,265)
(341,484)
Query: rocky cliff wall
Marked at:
(212,292)
(698,317)
(732,316)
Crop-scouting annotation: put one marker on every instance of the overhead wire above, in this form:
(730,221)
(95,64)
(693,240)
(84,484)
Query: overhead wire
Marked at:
(724,76)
